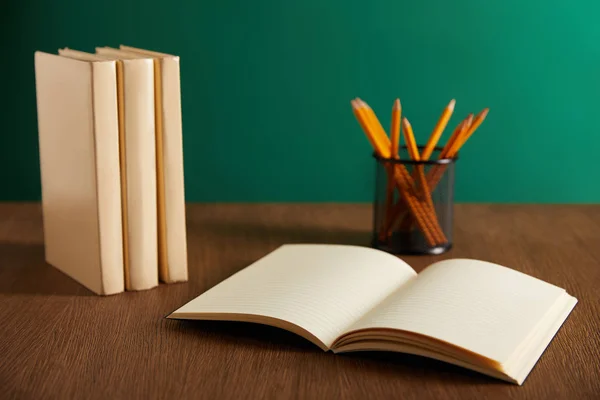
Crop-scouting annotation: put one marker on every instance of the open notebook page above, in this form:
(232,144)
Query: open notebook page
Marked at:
(321,288)
(476,305)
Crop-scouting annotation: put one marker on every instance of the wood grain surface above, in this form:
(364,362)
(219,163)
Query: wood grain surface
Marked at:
(59,341)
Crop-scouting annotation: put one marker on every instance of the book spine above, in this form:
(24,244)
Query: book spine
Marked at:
(108,182)
(140,156)
(173,174)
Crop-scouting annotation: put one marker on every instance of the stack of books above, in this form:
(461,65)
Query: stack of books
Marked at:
(111,161)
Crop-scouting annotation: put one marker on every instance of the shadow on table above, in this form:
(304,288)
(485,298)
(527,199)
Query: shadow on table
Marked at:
(216,230)
(255,337)
(23,270)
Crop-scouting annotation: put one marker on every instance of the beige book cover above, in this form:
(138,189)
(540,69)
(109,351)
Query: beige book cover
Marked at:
(475,314)
(78,132)
(135,94)
(172,240)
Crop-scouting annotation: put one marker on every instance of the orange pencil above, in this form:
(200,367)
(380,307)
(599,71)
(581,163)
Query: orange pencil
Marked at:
(395,139)
(458,131)
(395,129)
(466,135)
(378,130)
(409,137)
(466,132)
(413,151)
(438,130)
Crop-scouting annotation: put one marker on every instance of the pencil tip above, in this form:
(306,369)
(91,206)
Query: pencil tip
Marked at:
(482,114)
(451,104)
(397,104)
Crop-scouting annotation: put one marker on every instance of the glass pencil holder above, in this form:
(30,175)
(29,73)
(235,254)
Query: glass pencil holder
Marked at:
(413,205)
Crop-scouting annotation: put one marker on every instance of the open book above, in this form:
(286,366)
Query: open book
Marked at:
(474,314)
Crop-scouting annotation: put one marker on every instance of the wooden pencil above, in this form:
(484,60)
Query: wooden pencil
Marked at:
(446,152)
(466,132)
(413,151)
(377,129)
(466,135)
(457,132)
(395,150)
(438,130)
(395,128)
(409,137)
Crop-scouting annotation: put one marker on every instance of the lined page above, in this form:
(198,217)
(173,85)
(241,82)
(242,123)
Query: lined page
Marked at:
(321,288)
(479,306)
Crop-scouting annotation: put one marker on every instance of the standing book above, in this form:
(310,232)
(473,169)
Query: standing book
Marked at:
(135,95)
(474,314)
(79,164)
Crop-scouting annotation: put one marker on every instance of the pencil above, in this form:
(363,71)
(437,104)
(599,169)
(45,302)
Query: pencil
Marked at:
(466,135)
(362,120)
(438,130)
(455,135)
(409,137)
(378,130)
(395,147)
(395,128)
(413,151)
(467,131)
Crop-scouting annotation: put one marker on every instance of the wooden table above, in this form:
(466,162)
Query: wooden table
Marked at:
(59,341)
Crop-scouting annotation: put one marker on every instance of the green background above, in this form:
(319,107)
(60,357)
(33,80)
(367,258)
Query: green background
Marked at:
(266,88)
